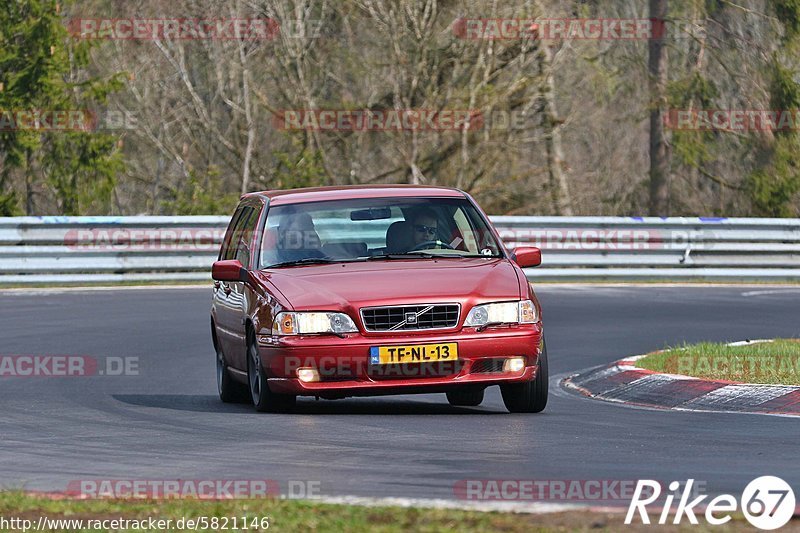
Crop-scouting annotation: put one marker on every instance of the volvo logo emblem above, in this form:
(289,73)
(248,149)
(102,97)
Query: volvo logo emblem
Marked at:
(411,318)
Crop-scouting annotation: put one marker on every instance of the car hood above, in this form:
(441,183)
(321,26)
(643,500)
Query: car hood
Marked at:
(349,286)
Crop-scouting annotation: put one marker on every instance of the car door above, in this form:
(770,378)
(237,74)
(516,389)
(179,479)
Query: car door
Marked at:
(228,313)
(241,294)
(219,297)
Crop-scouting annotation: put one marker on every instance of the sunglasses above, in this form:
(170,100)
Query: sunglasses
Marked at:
(420,228)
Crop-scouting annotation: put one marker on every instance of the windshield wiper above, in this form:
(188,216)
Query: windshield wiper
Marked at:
(492,256)
(428,253)
(306,261)
(419,254)
(393,256)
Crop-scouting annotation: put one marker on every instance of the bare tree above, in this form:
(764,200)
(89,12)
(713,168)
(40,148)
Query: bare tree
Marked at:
(659,148)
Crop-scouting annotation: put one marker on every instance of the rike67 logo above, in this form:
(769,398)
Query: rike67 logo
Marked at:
(767,502)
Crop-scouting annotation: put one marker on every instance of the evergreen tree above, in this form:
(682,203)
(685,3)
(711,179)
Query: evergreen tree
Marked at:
(42,71)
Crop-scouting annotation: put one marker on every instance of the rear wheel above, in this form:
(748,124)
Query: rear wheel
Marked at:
(264,399)
(230,391)
(531,396)
(465,397)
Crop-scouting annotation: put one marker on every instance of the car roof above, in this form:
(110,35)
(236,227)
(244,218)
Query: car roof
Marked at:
(316,194)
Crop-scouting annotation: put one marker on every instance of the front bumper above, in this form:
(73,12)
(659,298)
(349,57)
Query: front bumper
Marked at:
(344,368)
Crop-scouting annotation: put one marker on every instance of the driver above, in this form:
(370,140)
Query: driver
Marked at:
(424,227)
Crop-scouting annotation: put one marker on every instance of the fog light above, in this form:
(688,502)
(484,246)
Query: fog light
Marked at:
(307,375)
(514,364)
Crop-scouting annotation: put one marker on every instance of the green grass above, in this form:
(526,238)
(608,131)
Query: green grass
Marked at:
(283,515)
(775,362)
(299,515)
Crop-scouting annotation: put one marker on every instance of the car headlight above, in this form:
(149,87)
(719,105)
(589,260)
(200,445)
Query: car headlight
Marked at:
(521,312)
(305,323)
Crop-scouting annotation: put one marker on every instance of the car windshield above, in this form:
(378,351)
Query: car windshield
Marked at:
(374,229)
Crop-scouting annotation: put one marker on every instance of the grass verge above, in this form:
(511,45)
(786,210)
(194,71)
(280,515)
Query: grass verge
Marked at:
(776,362)
(297,515)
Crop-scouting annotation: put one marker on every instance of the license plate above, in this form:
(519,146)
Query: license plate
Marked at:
(413,353)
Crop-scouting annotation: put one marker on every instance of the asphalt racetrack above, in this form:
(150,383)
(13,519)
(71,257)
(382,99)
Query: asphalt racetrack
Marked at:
(167,422)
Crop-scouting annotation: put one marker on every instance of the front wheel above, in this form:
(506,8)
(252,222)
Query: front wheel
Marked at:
(264,399)
(531,396)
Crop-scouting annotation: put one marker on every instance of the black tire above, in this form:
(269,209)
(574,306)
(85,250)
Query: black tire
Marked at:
(531,396)
(264,400)
(230,390)
(465,397)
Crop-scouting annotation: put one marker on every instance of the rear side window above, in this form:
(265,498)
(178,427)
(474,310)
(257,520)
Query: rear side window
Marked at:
(245,235)
(226,242)
(235,247)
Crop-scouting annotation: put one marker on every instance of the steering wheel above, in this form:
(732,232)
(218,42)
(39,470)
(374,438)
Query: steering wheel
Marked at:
(431,244)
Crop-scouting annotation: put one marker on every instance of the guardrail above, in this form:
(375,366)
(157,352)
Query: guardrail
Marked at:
(69,250)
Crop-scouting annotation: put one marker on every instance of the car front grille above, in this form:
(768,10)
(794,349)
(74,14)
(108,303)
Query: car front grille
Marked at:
(411,317)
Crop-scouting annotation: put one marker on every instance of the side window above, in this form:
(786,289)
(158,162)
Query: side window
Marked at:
(245,235)
(224,252)
(236,234)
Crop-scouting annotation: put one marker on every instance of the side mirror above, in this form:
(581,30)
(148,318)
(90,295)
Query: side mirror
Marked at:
(527,256)
(230,270)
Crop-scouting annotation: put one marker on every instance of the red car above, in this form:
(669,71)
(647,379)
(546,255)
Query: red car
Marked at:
(358,291)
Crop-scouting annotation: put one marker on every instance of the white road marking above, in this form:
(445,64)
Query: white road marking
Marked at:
(776,291)
(642,385)
(748,341)
(752,395)
(465,505)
